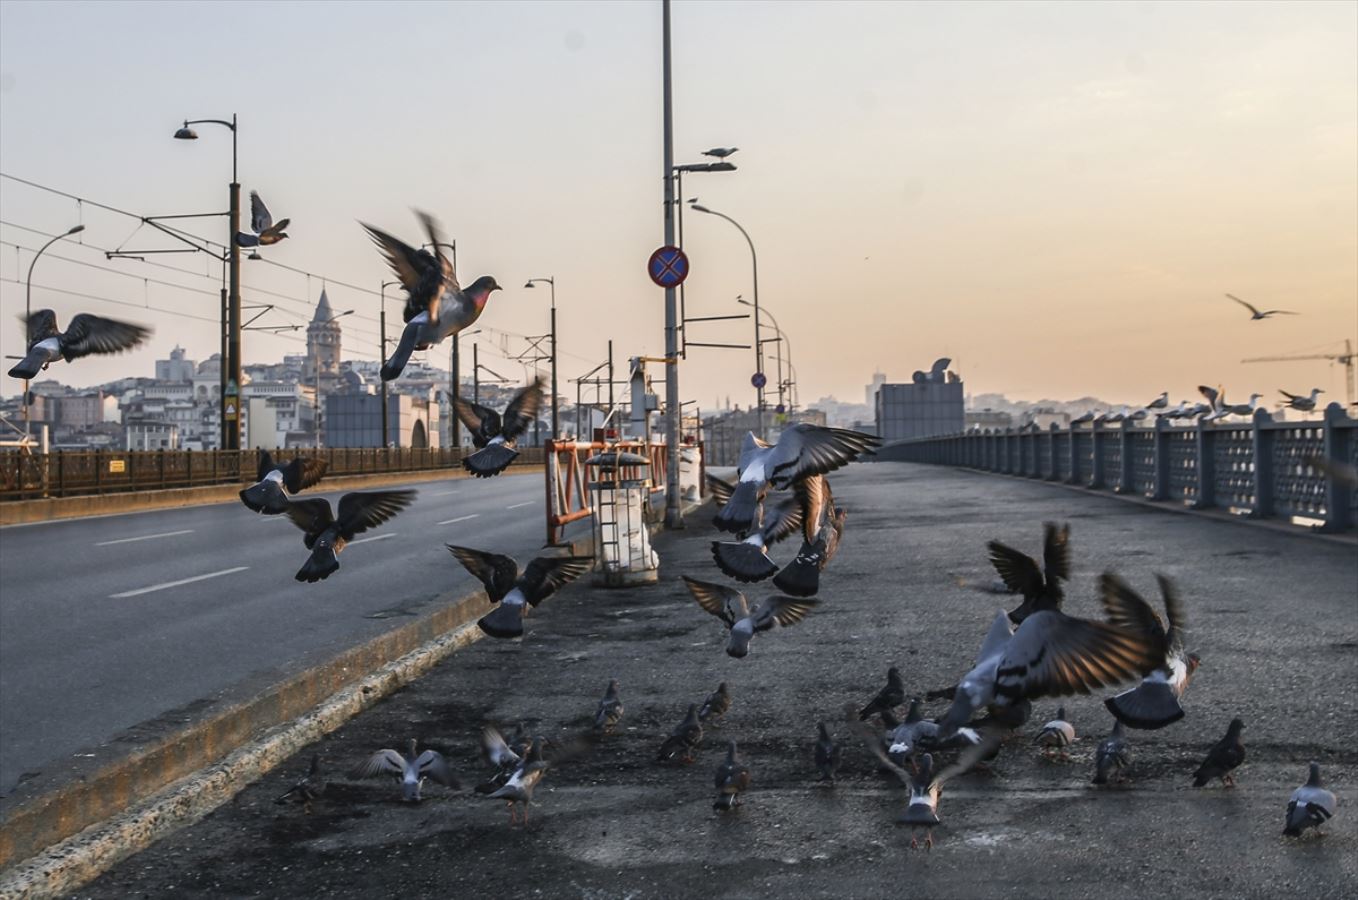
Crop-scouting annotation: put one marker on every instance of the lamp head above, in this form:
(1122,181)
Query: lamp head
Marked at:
(700,208)
(528,284)
(186,133)
(77,229)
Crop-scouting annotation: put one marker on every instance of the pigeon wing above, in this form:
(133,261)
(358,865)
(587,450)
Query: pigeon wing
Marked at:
(750,449)
(1056,553)
(784,519)
(1018,570)
(782,611)
(312,516)
(1001,630)
(417,270)
(548,574)
(432,764)
(436,242)
(494,749)
(719,489)
(362,510)
(89,334)
(498,573)
(727,604)
(813,497)
(383,762)
(1174,611)
(302,472)
(522,411)
(1125,608)
(40,326)
(474,415)
(266,465)
(1055,654)
(805,450)
(260,219)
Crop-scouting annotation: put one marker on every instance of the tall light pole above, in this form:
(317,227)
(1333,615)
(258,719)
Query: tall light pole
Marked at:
(232,325)
(556,421)
(784,340)
(674,517)
(347,312)
(758,347)
(381,357)
(722,166)
(28,304)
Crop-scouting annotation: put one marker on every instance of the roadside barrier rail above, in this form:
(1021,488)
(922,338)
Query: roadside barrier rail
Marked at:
(568,478)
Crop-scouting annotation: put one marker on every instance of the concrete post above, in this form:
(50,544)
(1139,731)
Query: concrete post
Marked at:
(1338,450)
(1096,469)
(1160,486)
(1126,479)
(1206,467)
(1261,448)
(1074,476)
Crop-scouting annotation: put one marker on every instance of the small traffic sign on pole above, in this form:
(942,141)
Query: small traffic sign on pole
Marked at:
(758,380)
(668,267)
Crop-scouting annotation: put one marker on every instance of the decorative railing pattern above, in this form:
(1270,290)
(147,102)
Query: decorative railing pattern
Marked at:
(1261,468)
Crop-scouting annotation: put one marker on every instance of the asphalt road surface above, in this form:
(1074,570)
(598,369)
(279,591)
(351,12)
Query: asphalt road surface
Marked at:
(1273,615)
(109,622)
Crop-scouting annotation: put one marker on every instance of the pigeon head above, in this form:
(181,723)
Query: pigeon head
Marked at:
(483,286)
(1235,728)
(1191,662)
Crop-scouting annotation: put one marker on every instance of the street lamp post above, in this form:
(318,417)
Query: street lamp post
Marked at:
(556,421)
(381,357)
(347,312)
(28,305)
(758,347)
(232,325)
(784,340)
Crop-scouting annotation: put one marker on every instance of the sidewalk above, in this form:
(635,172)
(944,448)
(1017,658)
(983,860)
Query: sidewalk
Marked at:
(1273,616)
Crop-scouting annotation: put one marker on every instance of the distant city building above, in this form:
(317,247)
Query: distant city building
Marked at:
(355,420)
(933,403)
(176,368)
(988,418)
(151,434)
(878,379)
(323,345)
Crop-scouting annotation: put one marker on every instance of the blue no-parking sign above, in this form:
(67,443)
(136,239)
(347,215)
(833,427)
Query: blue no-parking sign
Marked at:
(668,267)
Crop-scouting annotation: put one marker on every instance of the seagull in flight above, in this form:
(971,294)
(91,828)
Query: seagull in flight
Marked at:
(1256,313)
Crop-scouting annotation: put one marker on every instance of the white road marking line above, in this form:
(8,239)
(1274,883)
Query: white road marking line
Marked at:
(377,537)
(442,493)
(170,584)
(144,537)
(458,519)
(525,503)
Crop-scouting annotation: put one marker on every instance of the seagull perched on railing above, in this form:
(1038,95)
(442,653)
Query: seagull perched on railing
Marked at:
(1236,409)
(1298,402)
(1256,313)
(1159,402)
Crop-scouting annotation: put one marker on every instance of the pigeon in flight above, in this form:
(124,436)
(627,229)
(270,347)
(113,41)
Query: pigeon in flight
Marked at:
(436,305)
(494,435)
(1310,806)
(1300,403)
(275,481)
(410,769)
(717,704)
(1111,754)
(720,152)
(326,535)
(822,528)
(513,591)
(1040,586)
(311,786)
(610,709)
(1256,313)
(747,560)
(684,739)
(1058,734)
(905,739)
(518,790)
(263,231)
(828,754)
(888,698)
(85,335)
(720,489)
(729,605)
(733,778)
(497,754)
(1155,702)
(800,451)
(1053,654)
(1222,760)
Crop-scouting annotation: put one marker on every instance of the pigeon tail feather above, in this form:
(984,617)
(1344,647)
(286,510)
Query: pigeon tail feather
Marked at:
(392,368)
(266,498)
(1148,706)
(318,567)
(504,621)
(30,365)
(739,512)
(743,562)
(799,578)
(725,803)
(490,460)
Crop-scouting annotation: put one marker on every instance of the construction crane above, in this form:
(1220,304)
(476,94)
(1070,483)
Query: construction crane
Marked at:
(1345,359)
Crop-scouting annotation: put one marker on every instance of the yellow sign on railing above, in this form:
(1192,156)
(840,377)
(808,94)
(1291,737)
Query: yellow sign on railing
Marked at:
(117,466)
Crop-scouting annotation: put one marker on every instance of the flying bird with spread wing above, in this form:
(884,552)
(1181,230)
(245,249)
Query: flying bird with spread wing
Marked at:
(513,592)
(86,335)
(1256,313)
(327,534)
(275,481)
(494,435)
(263,230)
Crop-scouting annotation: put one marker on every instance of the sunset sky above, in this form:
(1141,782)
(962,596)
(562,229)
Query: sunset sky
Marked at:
(1056,195)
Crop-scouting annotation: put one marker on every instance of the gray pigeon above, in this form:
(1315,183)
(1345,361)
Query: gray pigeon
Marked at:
(801,451)
(733,778)
(410,770)
(86,335)
(263,231)
(437,307)
(888,698)
(1310,807)
(1222,760)
(717,704)
(275,481)
(311,786)
(828,754)
(495,435)
(729,605)
(514,592)
(1058,734)
(325,535)
(1053,654)
(610,709)
(518,790)
(497,754)
(1155,702)
(1039,585)
(684,739)
(1256,313)
(822,528)
(1111,754)
(906,739)
(747,560)
(922,811)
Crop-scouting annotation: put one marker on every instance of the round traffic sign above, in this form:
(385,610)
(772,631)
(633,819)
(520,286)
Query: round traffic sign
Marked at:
(780,409)
(758,379)
(668,267)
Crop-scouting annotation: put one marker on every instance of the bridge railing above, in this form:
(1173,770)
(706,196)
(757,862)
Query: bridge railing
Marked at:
(72,473)
(568,478)
(1261,468)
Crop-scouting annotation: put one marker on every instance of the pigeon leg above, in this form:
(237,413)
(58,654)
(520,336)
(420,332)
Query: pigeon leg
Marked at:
(1228,780)
(929,840)
(914,841)
(513,819)
(525,814)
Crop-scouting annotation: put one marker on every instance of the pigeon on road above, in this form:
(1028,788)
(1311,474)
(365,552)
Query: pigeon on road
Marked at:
(497,754)
(1256,313)
(747,560)
(1111,754)
(888,698)
(610,709)
(311,786)
(518,790)
(822,527)
(906,739)
(85,335)
(684,739)
(1058,734)
(1155,702)
(436,305)
(1039,585)
(729,605)
(410,770)
(801,451)
(922,811)
(326,535)
(275,481)
(1300,403)
(717,704)
(263,231)
(828,754)
(1222,760)
(495,435)
(733,778)
(1310,806)
(513,591)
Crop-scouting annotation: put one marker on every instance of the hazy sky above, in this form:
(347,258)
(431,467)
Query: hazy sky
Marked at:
(1055,195)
